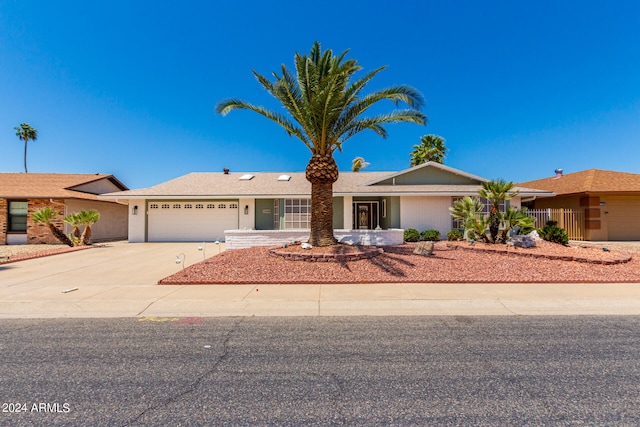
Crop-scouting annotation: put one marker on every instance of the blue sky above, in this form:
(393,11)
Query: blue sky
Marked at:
(516,88)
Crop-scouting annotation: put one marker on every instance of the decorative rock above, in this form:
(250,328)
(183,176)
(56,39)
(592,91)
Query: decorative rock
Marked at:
(521,241)
(306,246)
(423,248)
(534,235)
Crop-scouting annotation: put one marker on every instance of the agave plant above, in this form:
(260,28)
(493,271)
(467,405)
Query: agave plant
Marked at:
(47,216)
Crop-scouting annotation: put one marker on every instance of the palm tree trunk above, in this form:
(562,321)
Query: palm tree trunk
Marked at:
(25,157)
(60,235)
(322,214)
(494,228)
(86,235)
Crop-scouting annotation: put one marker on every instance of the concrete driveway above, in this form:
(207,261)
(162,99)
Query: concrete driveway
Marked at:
(126,264)
(119,280)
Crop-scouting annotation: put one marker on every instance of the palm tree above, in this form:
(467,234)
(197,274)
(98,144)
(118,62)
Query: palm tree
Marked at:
(325,109)
(516,218)
(469,211)
(358,163)
(47,216)
(496,192)
(87,218)
(26,133)
(431,149)
(74,219)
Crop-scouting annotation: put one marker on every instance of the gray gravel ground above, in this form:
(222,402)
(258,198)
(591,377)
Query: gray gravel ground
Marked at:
(488,371)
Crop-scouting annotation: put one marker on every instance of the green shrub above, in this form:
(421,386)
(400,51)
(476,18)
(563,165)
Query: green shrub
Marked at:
(455,235)
(411,235)
(552,233)
(430,235)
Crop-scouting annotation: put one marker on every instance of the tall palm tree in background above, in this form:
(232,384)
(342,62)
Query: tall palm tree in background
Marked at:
(431,149)
(358,163)
(26,133)
(325,108)
(496,192)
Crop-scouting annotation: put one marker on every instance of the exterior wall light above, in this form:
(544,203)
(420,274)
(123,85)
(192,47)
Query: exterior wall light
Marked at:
(246,209)
(180,260)
(135,210)
(203,248)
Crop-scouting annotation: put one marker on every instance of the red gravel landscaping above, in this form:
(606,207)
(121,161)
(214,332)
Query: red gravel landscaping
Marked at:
(9,254)
(450,263)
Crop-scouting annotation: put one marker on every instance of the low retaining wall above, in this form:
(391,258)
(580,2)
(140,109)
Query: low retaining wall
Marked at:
(240,239)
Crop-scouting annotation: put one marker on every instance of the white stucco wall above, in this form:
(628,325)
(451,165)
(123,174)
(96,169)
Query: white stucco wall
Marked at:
(112,224)
(426,213)
(239,239)
(248,221)
(137,220)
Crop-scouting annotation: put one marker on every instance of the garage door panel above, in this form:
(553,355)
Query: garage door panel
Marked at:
(191,221)
(623,218)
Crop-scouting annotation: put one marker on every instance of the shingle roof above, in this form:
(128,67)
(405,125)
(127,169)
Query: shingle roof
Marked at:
(589,181)
(266,184)
(50,185)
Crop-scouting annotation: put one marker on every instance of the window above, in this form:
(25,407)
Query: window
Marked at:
(18,216)
(211,206)
(276,214)
(233,206)
(176,206)
(297,213)
(222,206)
(458,225)
(165,206)
(188,206)
(199,206)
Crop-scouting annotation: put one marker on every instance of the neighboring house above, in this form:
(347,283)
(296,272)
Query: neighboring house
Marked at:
(21,194)
(200,206)
(611,201)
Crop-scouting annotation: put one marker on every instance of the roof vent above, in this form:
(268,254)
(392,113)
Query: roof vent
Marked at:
(558,173)
(284,178)
(226,171)
(246,177)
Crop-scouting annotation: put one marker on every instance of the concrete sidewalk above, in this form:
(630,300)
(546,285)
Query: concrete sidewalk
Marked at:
(119,280)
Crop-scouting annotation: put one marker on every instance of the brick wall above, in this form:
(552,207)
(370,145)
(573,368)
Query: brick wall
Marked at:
(3,221)
(40,233)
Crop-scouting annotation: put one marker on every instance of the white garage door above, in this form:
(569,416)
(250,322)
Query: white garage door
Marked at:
(623,218)
(191,221)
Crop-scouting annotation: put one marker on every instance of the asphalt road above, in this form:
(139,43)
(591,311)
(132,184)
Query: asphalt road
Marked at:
(321,371)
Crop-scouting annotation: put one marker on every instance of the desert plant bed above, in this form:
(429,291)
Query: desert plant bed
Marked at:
(15,253)
(450,263)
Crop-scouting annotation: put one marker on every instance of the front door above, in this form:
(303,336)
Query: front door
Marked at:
(365,215)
